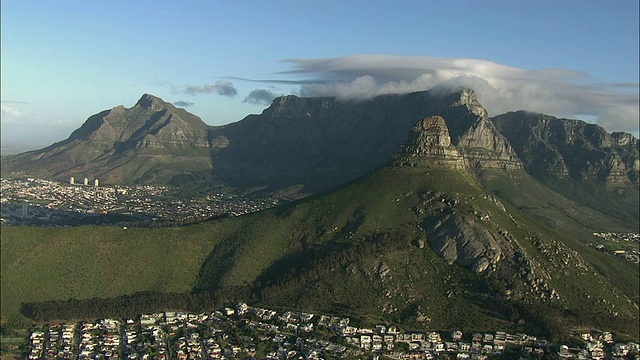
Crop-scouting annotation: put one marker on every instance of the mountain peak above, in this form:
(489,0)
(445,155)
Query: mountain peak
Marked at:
(468,98)
(151,102)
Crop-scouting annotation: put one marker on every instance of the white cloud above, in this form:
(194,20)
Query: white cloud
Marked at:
(14,115)
(500,88)
(10,114)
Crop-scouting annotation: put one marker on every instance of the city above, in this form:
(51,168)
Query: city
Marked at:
(49,203)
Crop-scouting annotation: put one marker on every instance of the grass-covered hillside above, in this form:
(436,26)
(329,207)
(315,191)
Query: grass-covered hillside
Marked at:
(427,247)
(364,249)
(84,262)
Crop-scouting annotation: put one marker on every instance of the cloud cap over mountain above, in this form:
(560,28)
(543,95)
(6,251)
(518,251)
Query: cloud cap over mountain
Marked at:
(500,88)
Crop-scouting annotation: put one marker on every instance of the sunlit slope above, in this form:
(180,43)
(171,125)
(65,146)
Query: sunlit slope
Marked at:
(151,142)
(371,248)
(426,246)
(84,262)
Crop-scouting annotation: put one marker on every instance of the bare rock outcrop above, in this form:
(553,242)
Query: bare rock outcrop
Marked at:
(429,142)
(553,148)
(458,238)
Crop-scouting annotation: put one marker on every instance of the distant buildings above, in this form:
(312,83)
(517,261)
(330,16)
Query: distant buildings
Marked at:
(52,203)
(85,182)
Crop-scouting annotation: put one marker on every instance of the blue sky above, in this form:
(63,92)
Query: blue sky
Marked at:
(65,60)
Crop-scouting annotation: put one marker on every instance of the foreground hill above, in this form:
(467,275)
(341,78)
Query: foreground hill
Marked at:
(425,242)
(431,240)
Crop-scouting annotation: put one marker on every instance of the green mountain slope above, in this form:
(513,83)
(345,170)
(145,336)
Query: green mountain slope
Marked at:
(451,230)
(369,248)
(39,264)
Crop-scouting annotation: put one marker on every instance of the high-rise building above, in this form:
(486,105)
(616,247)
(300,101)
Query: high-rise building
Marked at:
(96,183)
(25,209)
(86,181)
(72,181)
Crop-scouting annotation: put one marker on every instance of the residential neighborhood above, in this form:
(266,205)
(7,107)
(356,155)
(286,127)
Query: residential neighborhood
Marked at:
(624,245)
(244,331)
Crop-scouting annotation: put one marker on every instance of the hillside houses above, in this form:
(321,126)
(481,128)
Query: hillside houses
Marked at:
(245,331)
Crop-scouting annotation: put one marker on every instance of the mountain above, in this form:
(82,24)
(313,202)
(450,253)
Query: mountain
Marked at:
(148,143)
(451,222)
(579,160)
(563,148)
(318,143)
(429,240)
(297,145)
(302,146)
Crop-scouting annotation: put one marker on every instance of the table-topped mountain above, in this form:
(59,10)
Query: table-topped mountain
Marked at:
(300,146)
(322,142)
(314,143)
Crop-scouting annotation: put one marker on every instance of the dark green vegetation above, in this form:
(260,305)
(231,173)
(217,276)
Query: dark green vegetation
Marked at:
(358,249)
(41,264)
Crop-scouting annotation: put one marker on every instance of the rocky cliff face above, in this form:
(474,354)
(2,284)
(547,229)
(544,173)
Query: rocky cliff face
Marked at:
(429,142)
(475,136)
(459,239)
(322,142)
(464,234)
(561,148)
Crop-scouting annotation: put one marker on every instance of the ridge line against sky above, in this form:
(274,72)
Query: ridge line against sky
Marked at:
(63,61)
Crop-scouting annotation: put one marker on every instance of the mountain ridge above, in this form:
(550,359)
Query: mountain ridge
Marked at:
(447,225)
(301,146)
(616,153)
(334,141)
(578,159)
